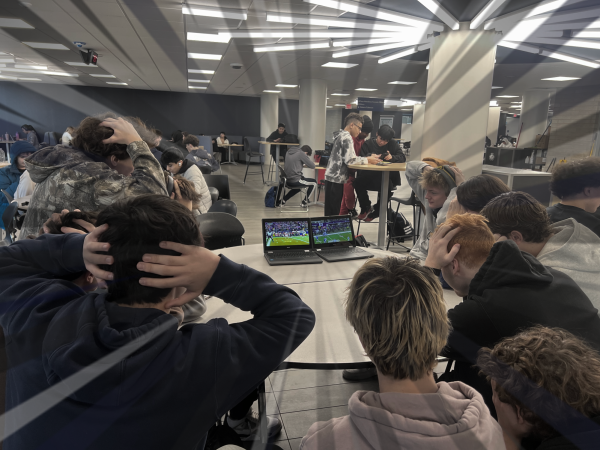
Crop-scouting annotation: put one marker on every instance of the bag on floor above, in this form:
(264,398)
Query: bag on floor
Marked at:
(271,197)
(361,241)
(399,226)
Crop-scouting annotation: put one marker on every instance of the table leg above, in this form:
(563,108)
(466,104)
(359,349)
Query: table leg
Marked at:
(229,161)
(383,201)
(277,163)
(270,181)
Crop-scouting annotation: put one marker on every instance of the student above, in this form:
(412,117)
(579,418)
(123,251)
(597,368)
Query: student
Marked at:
(278,136)
(397,309)
(505,291)
(223,146)
(349,200)
(10,176)
(476,192)
(148,385)
(109,160)
(67,137)
(566,246)
(173,160)
(546,385)
(31,136)
(386,148)
(436,194)
(342,154)
(177,140)
(295,159)
(197,154)
(156,149)
(577,184)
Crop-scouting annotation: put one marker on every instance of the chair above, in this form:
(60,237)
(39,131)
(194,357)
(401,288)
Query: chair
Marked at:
(220,230)
(206,170)
(8,217)
(225,206)
(51,138)
(8,196)
(214,194)
(251,148)
(221,182)
(416,204)
(284,186)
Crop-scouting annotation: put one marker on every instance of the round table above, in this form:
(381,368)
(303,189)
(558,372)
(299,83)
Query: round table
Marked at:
(229,161)
(383,196)
(267,150)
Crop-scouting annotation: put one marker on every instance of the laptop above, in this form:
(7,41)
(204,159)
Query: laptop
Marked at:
(287,241)
(333,239)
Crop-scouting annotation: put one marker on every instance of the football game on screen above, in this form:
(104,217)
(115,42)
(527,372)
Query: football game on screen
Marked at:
(292,232)
(327,231)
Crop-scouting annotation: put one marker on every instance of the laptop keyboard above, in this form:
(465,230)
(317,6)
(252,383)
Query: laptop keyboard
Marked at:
(345,250)
(285,255)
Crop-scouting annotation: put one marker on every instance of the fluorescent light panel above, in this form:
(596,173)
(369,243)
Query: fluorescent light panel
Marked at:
(307,34)
(328,21)
(496,87)
(29,79)
(203,37)
(339,104)
(42,72)
(371,48)
(7,77)
(13,23)
(197,87)
(355,42)
(340,94)
(291,47)
(101,75)
(271,92)
(7,60)
(25,66)
(339,65)
(46,45)
(438,10)
(117,83)
(81,64)
(402,82)
(567,42)
(199,81)
(207,72)
(365,89)
(530,11)
(507,96)
(403,53)
(560,79)
(214,12)
(204,56)
(286,85)
(486,12)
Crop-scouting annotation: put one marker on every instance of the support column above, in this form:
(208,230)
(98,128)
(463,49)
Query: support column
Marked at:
(311,111)
(493,124)
(459,86)
(534,116)
(417,133)
(269,114)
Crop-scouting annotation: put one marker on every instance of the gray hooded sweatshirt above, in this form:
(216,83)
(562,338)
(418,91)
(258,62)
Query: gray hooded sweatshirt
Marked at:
(295,159)
(575,250)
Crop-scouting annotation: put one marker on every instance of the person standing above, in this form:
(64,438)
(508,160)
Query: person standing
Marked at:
(342,154)
(31,136)
(278,136)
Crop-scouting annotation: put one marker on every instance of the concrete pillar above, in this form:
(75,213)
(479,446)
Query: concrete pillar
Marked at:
(311,113)
(269,114)
(534,116)
(417,133)
(493,124)
(459,83)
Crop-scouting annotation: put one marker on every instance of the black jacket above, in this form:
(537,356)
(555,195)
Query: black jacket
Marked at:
(511,292)
(370,147)
(165,392)
(275,135)
(587,438)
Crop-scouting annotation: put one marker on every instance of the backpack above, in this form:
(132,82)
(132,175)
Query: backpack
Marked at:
(399,226)
(202,158)
(291,139)
(271,197)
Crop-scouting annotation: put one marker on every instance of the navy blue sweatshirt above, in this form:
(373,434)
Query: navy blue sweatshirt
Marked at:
(172,385)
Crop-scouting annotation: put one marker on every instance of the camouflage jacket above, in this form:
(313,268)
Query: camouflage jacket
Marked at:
(342,154)
(68,178)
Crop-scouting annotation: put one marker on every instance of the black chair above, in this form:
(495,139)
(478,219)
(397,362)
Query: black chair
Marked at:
(283,185)
(221,182)
(224,206)
(214,194)
(220,230)
(253,153)
(416,204)
(8,217)
(206,170)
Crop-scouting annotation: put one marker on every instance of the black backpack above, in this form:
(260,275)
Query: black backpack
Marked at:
(222,434)
(399,226)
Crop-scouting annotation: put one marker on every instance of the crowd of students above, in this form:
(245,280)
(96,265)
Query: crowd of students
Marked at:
(93,306)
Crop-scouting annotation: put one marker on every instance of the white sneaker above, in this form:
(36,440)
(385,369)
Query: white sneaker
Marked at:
(247,428)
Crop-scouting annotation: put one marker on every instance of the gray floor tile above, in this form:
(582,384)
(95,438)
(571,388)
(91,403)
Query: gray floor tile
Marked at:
(320,397)
(295,443)
(298,379)
(298,423)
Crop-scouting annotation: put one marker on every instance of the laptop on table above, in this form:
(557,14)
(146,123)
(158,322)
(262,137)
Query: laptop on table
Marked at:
(333,239)
(287,241)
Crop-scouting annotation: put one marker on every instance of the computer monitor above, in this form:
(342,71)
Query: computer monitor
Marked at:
(286,233)
(332,231)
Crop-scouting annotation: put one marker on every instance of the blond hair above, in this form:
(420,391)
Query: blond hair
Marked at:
(433,179)
(398,311)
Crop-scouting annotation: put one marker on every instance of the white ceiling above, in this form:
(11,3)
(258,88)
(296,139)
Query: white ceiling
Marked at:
(143,43)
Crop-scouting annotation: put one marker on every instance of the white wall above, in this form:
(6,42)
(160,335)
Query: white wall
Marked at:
(406,132)
(333,122)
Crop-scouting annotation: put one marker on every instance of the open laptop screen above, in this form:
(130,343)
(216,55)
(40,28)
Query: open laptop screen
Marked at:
(332,231)
(286,233)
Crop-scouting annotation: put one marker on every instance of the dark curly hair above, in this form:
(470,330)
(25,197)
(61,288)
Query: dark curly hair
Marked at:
(550,374)
(89,136)
(571,178)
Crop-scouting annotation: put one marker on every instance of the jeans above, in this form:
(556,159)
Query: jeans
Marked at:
(311,182)
(333,198)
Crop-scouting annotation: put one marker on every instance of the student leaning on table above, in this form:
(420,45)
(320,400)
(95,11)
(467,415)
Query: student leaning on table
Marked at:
(397,308)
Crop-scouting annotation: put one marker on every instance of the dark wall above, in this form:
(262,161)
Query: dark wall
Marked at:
(376,114)
(54,107)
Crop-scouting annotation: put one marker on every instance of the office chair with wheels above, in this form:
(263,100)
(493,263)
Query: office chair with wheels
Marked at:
(224,206)
(220,230)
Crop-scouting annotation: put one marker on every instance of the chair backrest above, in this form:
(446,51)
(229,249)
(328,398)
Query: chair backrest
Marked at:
(221,182)
(8,196)
(206,142)
(8,217)
(225,206)
(206,170)
(251,143)
(214,194)
(220,230)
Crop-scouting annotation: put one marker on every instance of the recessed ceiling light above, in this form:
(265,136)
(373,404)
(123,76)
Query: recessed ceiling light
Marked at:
(516,106)
(101,75)
(339,104)
(42,72)
(214,12)
(13,23)
(507,96)
(203,37)
(204,56)
(29,79)
(518,102)
(339,93)
(496,87)
(561,79)
(329,106)
(197,87)
(291,47)
(406,110)
(7,60)
(6,77)
(23,66)
(402,82)
(339,65)
(286,85)
(365,89)
(46,45)
(118,83)
(200,81)
(207,72)
(80,64)
(272,92)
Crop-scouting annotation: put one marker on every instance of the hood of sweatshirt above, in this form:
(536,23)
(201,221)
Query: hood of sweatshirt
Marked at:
(454,417)
(118,347)
(507,266)
(293,150)
(46,161)
(573,247)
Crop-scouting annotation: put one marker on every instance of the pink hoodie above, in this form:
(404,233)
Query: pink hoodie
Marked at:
(453,418)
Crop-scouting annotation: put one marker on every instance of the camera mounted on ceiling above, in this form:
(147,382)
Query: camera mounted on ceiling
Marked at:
(89,57)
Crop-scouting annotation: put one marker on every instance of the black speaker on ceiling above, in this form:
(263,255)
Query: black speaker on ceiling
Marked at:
(89,57)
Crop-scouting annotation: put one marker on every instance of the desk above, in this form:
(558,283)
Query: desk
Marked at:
(7,143)
(268,144)
(229,161)
(383,200)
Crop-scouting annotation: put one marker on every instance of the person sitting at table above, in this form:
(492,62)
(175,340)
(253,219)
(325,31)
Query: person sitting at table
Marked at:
(295,159)
(397,309)
(436,188)
(476,192)
(10,176)
(278,136)
(577,184)
(222,144)
(123,374)
(342,155)
(504,290)
(109,160)
(173,160)
(386,148)
(198,154)
(31,135)
(546,385)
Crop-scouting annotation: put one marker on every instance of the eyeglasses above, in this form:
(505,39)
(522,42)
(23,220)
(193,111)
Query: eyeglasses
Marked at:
(359,128)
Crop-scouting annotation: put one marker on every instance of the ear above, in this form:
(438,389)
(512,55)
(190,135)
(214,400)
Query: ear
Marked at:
(89,278)
(516,236)
(455,267)
(588,192)
(520,418)
(113,160)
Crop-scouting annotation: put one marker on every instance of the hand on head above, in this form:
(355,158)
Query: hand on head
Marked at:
(499,238)
(459,178)
(438,255)
(91,256)
(124,132)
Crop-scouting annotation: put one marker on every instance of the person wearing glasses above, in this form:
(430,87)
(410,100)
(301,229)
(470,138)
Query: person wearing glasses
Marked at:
(342,155)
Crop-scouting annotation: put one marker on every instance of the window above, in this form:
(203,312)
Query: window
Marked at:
(406,119)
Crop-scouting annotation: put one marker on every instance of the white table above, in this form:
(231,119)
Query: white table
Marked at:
(229,161)
(268,150)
